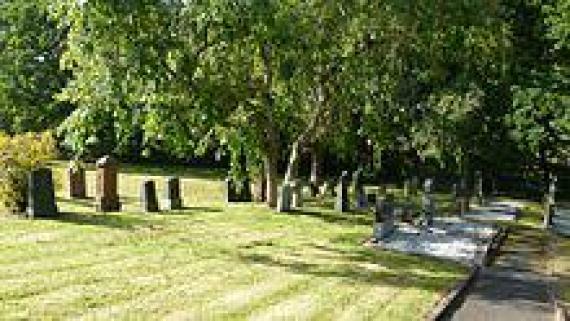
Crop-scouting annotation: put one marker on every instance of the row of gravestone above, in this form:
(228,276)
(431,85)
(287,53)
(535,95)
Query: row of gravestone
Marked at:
(41,192)
(106,193)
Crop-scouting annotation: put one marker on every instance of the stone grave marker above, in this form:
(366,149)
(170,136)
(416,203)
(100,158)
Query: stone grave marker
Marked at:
(384,217)
(415,182)
(371,198)
(341,203)
(172,198)
(479,195)
(149,201)
(297,194)
(550,201)
(107,197)
(284,201)
(231,194)
(428,205)
(259,189)
(76,181)
(41,194)
(464,197)
(358,187)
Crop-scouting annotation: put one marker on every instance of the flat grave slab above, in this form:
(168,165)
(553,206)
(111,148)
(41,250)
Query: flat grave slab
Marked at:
(502,211)
(454,239)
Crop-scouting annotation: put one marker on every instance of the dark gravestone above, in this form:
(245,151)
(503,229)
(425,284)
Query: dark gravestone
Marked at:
(107,197)
(231,194)
(384,217)
(172,199)
(76,181)
(149,201)
(297,194)
(284,201)
(414,185)
(428,204)
(41,194)
(550,202)
(314,188)
(479,188)
(464,205)
(358,188)
(245,190)
(341,203)
(371,198)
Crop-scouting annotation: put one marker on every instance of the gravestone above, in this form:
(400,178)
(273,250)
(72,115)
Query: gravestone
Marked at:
(371,198)
(464,205)
(341,203)
(231,194)
(414,185)
(479,188)
(172,199)
(358,187)
(149,201)
(259,189)
(550,202)
(297,194)
(428,205)
(314,189)
(76,181)
(284,201)
(384,217)
(244,188)
(41,194)
(107,198)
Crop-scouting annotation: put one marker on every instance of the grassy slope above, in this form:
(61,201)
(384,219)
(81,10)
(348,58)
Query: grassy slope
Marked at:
(209,261)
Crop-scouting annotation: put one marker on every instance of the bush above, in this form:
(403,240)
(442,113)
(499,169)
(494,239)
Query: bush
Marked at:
(18,156)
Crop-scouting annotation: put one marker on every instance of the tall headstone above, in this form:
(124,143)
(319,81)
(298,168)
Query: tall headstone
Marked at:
(149,201)
(550,202)
(230,190)
(428,205)
(479,188)
(172,198)
(341,203)
(297,194)
(415,182)
(259,189)
(358,187)
(464,197)
(384,217)
(41,194)
(76,181)
(107,197)
(284,201)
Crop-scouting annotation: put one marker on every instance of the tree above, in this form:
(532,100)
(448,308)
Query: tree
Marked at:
(30,48)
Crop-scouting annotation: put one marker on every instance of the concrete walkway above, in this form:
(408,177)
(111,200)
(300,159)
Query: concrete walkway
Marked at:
(512,289)
(561,220)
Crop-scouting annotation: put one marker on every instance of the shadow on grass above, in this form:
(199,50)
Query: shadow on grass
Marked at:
(125,222)
(394,269)
(347,218)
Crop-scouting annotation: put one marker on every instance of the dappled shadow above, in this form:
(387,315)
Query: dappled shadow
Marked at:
(126,222)
(392,269)
(348,218)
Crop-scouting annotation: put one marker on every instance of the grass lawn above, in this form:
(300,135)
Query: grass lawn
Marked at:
(210,261)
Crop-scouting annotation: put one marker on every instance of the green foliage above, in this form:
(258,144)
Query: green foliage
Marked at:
(20,155)
(30,49)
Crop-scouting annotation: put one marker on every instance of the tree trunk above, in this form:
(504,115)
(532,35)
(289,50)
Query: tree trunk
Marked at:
(270,166)
(293,166)
(315,167)
(271,157)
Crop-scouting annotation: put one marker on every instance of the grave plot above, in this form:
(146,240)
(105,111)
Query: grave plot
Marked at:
(447,238)
(495,212)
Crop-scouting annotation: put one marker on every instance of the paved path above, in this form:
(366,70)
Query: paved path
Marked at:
(512,289)
(561,220)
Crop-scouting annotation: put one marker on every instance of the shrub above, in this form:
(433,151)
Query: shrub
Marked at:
(18,156)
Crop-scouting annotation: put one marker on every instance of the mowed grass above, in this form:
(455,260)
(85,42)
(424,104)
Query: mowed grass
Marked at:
(211,261)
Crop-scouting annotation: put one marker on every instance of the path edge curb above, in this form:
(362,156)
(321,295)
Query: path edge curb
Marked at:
(446,305)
